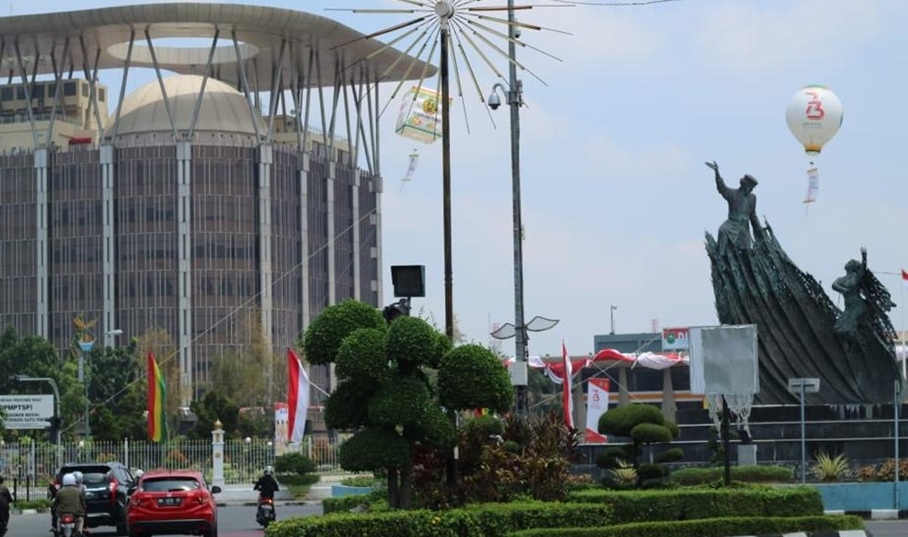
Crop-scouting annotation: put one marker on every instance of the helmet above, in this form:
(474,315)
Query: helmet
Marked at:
(78,476)
(138,473)
(269,470)
(69,480)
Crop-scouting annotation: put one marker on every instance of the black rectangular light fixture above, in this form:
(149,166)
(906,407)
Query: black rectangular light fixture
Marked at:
(409,280)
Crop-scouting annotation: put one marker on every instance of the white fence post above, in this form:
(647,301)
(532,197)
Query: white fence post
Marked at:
(217,454)
(126,453)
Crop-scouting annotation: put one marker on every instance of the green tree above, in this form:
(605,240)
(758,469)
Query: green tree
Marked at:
(385,393)
(642,424)
(34,356)
(211,408)
(246,376)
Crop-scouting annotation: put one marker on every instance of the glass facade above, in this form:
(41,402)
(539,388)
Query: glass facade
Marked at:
(225,257)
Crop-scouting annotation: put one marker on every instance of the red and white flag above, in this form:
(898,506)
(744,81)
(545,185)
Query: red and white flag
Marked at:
(905,275)
(566,400)
(298,398)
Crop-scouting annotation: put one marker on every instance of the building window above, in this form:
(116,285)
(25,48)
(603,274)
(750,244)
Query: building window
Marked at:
(69,89)
(6,94)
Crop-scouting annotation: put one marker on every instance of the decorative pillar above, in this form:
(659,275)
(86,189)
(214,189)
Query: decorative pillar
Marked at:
(304,237)
(265,161)
(357,286)
(668,395)
(42,248)
(184,268)
(217,455)
(623,395)
(108,247)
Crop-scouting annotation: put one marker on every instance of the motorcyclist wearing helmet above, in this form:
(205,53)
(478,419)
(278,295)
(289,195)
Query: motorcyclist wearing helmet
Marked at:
(71,500)
(267,484)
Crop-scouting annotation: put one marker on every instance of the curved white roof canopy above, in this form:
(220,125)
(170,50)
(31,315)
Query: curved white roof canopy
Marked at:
(261,31)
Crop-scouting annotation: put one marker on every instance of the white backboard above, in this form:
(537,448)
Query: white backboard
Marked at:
(723,359)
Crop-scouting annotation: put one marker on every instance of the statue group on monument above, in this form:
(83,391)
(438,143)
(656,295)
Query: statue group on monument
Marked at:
(801,333)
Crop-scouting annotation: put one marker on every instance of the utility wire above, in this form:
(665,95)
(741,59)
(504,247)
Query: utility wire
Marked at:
(236,310)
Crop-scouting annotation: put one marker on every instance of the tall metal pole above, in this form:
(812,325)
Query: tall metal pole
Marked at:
(515,100)
(446,169)
(86,432)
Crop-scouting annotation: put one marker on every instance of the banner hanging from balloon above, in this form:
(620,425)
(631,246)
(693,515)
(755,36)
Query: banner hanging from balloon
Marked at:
(420,116)
(813,185)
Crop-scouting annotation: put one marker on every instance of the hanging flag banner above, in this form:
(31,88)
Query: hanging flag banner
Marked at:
(567,399)
(420,116)
(281,422)
(596,406)
(813,185)
(411,168)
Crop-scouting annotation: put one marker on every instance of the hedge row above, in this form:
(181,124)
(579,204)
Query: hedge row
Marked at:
(717,527)
(485,520)
(748,474)
(691,504)
(342,504)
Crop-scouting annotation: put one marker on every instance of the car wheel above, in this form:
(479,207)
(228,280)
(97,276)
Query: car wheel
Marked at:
(213,532)
(122,529)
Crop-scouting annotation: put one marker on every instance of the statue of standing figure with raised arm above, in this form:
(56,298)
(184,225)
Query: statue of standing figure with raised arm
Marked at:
(742,212)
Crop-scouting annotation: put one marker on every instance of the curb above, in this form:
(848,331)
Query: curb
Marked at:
(836,533)
(874,514)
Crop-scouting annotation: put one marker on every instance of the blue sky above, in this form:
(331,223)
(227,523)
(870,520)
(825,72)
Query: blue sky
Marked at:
(616,198)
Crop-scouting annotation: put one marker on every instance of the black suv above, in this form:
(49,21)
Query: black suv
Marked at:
(106,487)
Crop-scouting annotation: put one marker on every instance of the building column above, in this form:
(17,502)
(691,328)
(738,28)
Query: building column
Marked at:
(184,268)
(376,220)
(42,249)
(357,269)
(108,247)
(303,172)
(265,158)
(332,257)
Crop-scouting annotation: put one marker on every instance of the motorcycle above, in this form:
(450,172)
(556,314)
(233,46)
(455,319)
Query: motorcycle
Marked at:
(265,513)
(66,526)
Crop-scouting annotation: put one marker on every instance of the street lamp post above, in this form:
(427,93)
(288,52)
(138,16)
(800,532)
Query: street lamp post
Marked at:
(86,347)
(57,415)
(515,101)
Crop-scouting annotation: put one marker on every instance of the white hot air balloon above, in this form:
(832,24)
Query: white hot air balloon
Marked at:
(814,116)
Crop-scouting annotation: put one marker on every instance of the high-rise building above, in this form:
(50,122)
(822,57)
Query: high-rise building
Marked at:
(200,198)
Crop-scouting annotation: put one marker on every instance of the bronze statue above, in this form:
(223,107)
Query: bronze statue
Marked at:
(742,211)
(801,332)
(850,286)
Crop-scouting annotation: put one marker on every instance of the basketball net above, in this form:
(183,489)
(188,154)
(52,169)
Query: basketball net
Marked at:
(739,404)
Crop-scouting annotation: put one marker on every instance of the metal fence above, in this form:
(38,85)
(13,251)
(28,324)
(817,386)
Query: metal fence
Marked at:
(27,466)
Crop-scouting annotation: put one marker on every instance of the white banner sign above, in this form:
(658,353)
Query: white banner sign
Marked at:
(420,115)
(27,411)
(596,406)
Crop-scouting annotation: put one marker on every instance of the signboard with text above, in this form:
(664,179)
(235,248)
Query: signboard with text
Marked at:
(674,339)
(27,411)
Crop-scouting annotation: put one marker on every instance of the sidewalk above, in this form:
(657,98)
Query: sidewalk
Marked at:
(244,495)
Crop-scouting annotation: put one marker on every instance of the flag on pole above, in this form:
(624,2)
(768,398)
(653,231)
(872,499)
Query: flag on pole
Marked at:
(566,400)
(905,275)
(157,422)
(298,398)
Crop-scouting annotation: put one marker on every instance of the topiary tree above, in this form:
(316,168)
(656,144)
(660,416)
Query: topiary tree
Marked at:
(385,393)
(643,425)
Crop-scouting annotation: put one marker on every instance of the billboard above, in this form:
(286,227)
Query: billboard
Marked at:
(27,411)
(674,339)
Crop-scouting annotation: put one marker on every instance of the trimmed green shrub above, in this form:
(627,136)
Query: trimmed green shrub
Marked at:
(720,527)
(486,520)
(375,500)
(670,455)
(294,463)
(688,504)
(748,474)
(298,479)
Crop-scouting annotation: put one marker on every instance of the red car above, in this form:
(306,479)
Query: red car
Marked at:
(172,502)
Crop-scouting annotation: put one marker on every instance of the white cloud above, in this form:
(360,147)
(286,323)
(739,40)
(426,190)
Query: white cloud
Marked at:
(749,36)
